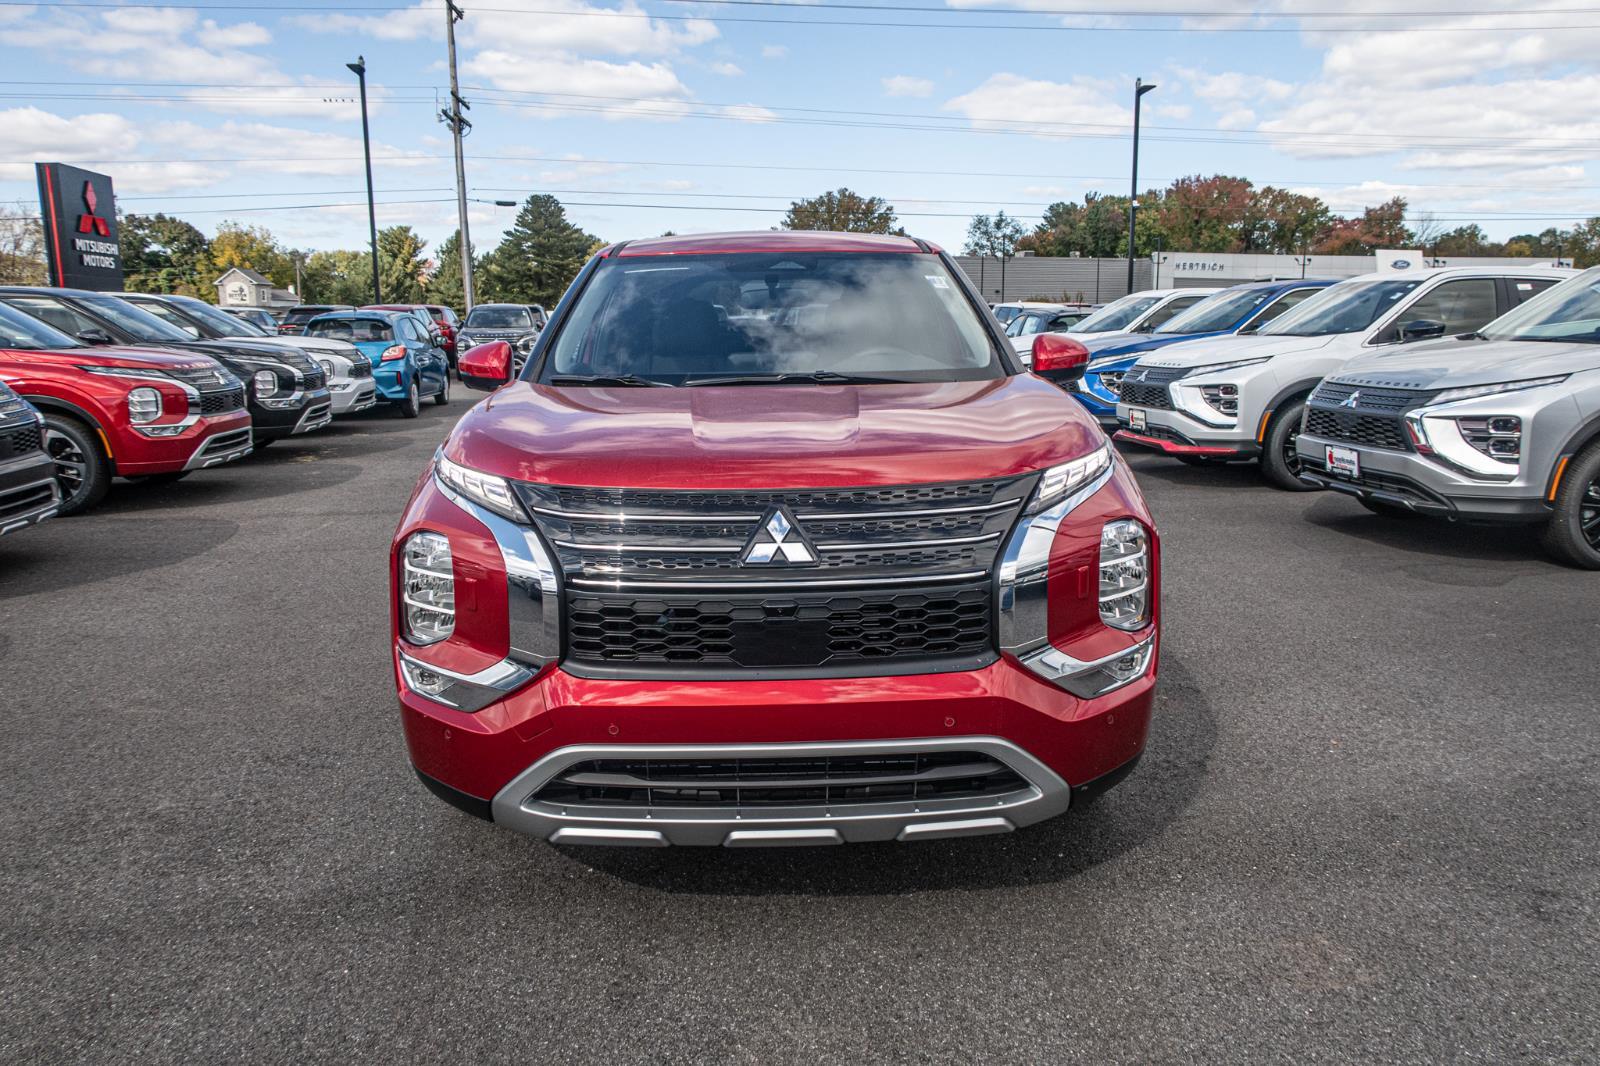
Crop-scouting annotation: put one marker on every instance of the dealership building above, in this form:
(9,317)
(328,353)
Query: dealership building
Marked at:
(1070,279)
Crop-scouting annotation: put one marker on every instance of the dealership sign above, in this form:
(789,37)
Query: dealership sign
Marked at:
(80,228)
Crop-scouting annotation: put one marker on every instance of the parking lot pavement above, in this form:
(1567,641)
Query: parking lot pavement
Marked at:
(1365,828)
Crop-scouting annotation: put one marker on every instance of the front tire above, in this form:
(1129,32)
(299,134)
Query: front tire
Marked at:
(443,395)
(411,406)
(82,468)
(1573,533)
(1280,463)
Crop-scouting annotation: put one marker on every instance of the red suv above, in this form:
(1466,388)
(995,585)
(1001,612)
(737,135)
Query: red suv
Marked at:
(773,541)
(131,412)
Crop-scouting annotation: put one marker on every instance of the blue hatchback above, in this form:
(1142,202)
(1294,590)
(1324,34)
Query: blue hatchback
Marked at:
(1241,309)
(408,358)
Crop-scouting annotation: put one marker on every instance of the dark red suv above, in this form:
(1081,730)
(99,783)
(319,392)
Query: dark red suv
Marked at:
(773,541)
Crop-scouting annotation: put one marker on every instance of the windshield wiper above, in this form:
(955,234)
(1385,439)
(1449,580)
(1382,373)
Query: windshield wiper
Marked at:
(815,377)
(603,380)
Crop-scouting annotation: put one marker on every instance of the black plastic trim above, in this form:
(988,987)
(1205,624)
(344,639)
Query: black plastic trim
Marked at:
(478,808)
(1106,781)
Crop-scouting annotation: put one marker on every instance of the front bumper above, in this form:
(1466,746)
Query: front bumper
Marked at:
(1175,433)
(313,410)
(29,493)
(353,394)
(1411,481)
(211,441)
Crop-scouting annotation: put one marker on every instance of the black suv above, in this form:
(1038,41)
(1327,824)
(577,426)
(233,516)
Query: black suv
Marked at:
(294,323)
(286,390)
(28,489)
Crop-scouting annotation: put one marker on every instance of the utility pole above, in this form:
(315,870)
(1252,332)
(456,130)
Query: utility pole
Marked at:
(1139,89)
(458,127)
(359,69)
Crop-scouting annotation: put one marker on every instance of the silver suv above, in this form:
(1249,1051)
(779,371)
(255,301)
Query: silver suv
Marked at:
(1502,425)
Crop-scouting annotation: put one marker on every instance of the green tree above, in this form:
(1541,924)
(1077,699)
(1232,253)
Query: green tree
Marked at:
(1199,214)
(401,267)
(1097,227)
(1283,222)
(165,254)
(248,246)
(338,277)
(21,247)
(538,258)
(1383,226)
(997,235)
(842,211)
(445,285)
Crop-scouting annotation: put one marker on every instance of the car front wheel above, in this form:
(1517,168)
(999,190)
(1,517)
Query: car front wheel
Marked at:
(82,469)
(1573,534)
(1279,460)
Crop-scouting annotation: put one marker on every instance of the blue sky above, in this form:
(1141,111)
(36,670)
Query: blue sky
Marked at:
(224,111)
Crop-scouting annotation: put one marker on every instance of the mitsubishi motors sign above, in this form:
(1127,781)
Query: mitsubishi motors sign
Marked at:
(80,228)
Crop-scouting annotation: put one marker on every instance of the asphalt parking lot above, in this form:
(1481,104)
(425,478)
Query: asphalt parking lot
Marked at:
(1365,828)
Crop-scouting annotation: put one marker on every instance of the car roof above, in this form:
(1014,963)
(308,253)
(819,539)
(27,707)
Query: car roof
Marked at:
(363,312)
(50,290)
(769,241)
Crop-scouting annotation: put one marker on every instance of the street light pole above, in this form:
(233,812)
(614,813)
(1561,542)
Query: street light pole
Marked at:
(1139,89)
(359,69)
(458,126)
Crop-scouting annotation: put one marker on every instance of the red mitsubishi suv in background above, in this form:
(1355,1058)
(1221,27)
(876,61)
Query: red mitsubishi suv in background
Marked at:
(772,542)
(120,411)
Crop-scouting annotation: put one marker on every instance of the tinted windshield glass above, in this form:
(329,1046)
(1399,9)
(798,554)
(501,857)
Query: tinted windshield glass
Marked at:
(299,316)
(1348,307)
(141,325)
(17,330)
(499,318)
(891,317)
(1006,313)
(219,321)
(1217,312)
(1569,311)
(1117,315)
(355,330)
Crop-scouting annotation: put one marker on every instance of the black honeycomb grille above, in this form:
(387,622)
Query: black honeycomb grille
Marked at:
(1374,431)
(777,630)
(217,403)
(22,440)
(1140,394)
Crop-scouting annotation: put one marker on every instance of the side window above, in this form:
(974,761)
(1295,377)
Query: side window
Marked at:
(406,328)
(1525,289)
(67,319)
(1462,306)
(167,314)
(1279,306)
(1170,309)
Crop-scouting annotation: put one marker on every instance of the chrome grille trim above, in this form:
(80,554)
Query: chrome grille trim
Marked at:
(777,585)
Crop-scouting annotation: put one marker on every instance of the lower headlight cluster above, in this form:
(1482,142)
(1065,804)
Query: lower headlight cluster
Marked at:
(1124,574)
(1086,680)
(428,588)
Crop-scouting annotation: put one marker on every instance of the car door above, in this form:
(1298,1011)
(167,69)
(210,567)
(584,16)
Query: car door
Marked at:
(1462,304)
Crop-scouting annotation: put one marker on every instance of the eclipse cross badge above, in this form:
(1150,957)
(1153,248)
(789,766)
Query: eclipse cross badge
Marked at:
(1351,400)
(779,541)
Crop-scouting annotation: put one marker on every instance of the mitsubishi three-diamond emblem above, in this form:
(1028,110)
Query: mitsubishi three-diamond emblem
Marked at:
(779,542)
(1352,400)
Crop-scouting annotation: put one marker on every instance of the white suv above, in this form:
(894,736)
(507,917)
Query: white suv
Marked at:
(1141,312)
(1241,397)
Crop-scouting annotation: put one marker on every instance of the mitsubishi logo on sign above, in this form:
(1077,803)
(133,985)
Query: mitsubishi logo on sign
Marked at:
(80,228)
(779,542)
(1351,400)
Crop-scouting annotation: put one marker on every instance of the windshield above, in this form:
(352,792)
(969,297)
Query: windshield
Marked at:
(299,316)
(354,330)
(1348,307)
(218,321)
(18,331)
(755,316)
(1006,312)
(1569,311)
(1217,312)
(1117,315)
(492,317)
(140,325)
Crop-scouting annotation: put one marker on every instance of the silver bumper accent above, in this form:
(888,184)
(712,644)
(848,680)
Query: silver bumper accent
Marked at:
(221,448)
(1044,796)
(38,514)
(317,414)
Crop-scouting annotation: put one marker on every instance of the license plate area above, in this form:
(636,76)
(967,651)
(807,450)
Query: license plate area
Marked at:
(1136,419)
(1343,462)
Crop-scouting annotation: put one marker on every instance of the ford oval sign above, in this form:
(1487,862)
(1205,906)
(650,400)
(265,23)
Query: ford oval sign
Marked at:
(1401,264)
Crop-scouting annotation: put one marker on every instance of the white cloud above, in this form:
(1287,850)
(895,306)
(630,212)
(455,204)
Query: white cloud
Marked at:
(238,35)
(749,113)
(774,51)
(1007,99)
(643,90)
(727,70)
(33,133)
(905,85)
(1237,119)
(263,148)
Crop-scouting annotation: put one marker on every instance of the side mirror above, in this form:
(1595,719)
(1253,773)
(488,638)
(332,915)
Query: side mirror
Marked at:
(485,367)
(1420,330)
(1059,358)
(95,335)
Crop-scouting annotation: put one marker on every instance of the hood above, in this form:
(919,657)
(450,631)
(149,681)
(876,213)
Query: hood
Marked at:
(1226,349)
(310,345)
(1460,364)
(129,356)
(1133,345)
(778,436)
(254,350)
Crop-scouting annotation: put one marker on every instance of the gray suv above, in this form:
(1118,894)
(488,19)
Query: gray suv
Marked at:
(1501,425)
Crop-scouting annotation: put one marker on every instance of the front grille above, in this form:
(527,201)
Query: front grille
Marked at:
(21,440)
(659,579)
(1335,394)
(361,368)
(777,630)
(1374,420)
(1370,430)
(781,782)
(218,403)
(1146,386)
(314,380)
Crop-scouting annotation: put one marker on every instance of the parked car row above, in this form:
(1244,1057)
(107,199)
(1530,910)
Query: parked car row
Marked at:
(154,387)
(1355,389)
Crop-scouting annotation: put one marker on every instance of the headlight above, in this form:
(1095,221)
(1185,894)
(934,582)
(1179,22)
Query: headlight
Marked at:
(1475,391)
(266,383)
(144,405)
(1060,481)
(487,489)
(427,588)
(327,367)
(1124,574)
(1215,367)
